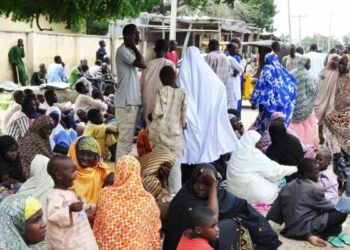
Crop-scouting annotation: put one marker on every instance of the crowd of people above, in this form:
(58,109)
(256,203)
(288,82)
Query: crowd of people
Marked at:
(197,178)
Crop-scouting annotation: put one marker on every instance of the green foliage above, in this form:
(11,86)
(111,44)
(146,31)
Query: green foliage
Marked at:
(97,27)
(262,14)
(346,39)
(72,12)
(320,40)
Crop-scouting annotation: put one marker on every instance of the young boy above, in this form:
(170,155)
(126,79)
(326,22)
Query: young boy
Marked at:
(203,228)
(67,223)
(106,135)
(327,178)
(304,210)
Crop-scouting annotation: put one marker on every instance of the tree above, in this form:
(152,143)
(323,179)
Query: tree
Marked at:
(320,40)
(75,12)
(259,13)
(346,39)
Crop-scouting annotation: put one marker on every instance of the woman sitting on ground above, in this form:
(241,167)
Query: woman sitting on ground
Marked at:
(60,138)
(202,190)
(155,168)
(252,169)
(40,183)
(21,223)
(285,149)
(91,170)
(127,216)
(308,150)
(10,162)
(18,124)
(304,210)
(36,141)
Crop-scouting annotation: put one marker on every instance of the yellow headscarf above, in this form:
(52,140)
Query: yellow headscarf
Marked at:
(89,180)
(31,206)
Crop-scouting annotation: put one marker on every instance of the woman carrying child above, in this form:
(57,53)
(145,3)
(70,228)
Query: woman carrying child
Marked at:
(168,122)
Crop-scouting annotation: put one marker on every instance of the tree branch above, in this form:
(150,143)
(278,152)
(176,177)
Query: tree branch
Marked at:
(38,24)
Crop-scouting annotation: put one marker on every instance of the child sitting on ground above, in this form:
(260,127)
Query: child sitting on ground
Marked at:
(143,143)
(327,178)
(305,212)
(105,135)
(68,227)
(203,228)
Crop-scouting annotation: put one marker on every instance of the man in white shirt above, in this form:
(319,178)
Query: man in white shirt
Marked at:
(316,59)
(128,95)
(233,86)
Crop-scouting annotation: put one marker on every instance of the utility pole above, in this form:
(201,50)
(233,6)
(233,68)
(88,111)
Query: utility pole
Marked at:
(289,24)
(330,32)
(173,17)
(299,16)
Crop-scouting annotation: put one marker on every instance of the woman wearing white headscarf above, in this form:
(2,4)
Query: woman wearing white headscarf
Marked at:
(59,135)
(251,175)
(208,132)
(40,183)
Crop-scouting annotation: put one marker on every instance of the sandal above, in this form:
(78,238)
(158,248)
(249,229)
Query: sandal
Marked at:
(344,238)
(335,241)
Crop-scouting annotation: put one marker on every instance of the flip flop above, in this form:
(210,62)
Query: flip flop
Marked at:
(335,242)
(344,238)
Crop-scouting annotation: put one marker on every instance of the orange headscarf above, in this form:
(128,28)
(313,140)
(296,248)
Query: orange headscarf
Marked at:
(127,216)
(89,180)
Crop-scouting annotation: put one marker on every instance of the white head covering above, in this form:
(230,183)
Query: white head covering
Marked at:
(252,169)
(58,128)
(40,183)
(208,133)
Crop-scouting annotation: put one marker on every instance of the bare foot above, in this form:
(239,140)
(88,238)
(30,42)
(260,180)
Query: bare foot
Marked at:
(316,241)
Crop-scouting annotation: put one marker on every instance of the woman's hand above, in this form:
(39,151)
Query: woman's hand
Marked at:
(208,176)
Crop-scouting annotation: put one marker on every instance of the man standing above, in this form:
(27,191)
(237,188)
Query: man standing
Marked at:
(218,61)
(233,86)
(128,95)
(316,59)
(150,80)
(290,61)
(101,52)
(15,55)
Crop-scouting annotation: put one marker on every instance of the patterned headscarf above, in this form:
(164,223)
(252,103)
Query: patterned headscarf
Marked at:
(307,90)
(12,223)
(88,143)
(275,91)
(127,216)
(33,144)
(89,180)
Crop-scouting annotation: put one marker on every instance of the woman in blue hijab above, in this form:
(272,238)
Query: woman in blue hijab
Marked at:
(275,91)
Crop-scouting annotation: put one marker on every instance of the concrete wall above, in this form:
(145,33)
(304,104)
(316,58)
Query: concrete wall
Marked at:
(41,47)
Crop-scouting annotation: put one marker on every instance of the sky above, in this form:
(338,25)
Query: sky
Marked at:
(316,17)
